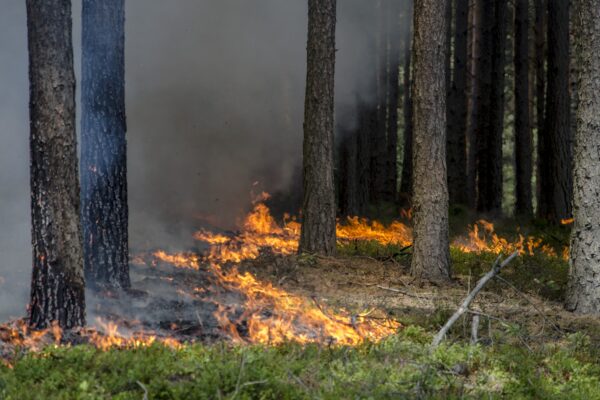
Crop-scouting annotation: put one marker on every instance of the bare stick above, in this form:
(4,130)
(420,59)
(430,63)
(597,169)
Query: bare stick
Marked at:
(464,307)
(474,329)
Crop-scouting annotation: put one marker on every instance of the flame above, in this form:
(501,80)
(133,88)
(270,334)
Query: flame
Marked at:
(482,238)
(567,221)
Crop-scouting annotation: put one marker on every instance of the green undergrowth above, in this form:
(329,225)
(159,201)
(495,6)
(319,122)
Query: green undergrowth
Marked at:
(402,366)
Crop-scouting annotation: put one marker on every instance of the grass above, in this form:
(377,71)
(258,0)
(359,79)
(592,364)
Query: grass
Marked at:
(401,366)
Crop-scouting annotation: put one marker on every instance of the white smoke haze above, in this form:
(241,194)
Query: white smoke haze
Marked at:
(214,97)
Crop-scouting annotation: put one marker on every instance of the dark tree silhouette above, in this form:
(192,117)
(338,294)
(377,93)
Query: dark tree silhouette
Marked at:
(103,145)
(318,209)
(523,139)
(57,283)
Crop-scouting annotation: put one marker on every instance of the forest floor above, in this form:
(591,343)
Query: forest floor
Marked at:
(528,346)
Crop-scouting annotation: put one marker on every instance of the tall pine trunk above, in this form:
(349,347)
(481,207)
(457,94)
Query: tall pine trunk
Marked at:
(583,292)
(57,283)
(318,208)
(431,254)
(543,170)
(103,145)
(393,84)
(523,139)
(557,188)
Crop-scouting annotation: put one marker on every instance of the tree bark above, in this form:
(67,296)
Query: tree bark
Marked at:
(523,139)
(103,145)
(57,284)
(491,118)
(558,150)
(318,210)
(431,255)
(583,292)
(475,36)
(457,139)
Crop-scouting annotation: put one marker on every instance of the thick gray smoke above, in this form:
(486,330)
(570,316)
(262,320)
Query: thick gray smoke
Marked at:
(215,92)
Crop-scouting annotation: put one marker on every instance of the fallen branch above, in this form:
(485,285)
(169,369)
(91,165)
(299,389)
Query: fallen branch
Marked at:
(464,307)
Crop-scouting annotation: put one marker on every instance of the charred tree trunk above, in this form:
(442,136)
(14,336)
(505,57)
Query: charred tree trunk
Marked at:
(57,284)
(583,292)
(406,181)
(103,145)
(318,209)
(558,153)
(523,139)
(457,143)
(431,254)
(489,133)
(363,157)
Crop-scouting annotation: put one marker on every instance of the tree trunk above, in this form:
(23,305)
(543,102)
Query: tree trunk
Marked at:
(393,44)
(378,135)
(457,144)
(583,292)
(558,154)
(543,170)
(363,157)
(491,118)
(57,284)
(475,36)
(406,181)
(523,139)
(318,210)
(431,254)
(348,180)
(103,145)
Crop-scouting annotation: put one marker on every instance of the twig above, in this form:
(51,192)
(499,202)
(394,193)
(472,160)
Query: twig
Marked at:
(403,292)
(474,329)
(464,307)
(144,389)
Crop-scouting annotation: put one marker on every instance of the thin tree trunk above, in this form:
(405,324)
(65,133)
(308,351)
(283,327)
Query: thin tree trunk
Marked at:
(393,44)
(489,134)
(318,210)
(363,157)
(103,145)
(457,143)
(558,107)
(57,284)
(475,36)
(583,292)
(347,177)
(543,169)
(406,183)
(431,254)
(523,139)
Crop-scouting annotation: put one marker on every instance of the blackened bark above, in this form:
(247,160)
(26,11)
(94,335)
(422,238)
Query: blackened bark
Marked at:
(103,145)
(318,210)
(363,157)
(523,139)
(558,153)
(406,182)
(57,284)
(489,134)
(431,254)
(583,291)
(457,140)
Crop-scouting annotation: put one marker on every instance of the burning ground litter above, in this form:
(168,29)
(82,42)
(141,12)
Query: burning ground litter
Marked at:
(218,295)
